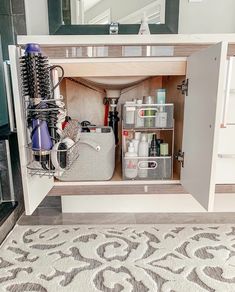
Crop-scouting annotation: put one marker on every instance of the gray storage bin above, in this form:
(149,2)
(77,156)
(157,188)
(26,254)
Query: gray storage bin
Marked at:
(149,168)
(131,114)
(96,159)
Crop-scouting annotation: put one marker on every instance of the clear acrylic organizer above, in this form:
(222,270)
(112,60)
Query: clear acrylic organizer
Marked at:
(147,168)
(145,116)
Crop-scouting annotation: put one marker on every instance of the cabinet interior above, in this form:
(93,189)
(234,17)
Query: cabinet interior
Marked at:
(85,102)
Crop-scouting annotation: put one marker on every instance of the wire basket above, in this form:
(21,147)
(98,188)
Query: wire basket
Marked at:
(53,162)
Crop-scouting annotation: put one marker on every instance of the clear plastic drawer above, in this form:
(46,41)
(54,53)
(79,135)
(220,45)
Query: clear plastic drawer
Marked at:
(154,116)
(147,168)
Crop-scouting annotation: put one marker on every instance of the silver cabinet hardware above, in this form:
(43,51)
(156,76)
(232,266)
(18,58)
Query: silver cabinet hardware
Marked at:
(114,28)
(180,157)
(183,87)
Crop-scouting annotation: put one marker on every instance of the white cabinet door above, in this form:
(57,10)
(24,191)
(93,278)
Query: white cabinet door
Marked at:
(35,188)
(206,72)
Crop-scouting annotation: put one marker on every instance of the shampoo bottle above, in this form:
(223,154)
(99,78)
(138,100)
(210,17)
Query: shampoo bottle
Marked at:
(131,169)
(143,152)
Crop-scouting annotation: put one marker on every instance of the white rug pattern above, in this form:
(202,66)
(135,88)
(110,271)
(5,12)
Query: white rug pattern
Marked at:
(122,258)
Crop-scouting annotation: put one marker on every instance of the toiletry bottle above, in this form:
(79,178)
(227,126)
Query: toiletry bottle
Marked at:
(159,141)
(136,141)
(143,152)
(149,120)
(144,27)
(139,120)
(161,118)
(153,152)
(149,138)
(161,96)
(161,115)
(130,113)
(130,166)
(153,147)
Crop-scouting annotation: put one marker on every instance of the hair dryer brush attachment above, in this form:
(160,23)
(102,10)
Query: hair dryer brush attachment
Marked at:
(35,75)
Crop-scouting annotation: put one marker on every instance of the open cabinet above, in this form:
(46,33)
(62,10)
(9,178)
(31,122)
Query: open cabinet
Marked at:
(197,115)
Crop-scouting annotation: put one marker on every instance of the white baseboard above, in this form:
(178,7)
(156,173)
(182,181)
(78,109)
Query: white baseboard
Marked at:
(169,203)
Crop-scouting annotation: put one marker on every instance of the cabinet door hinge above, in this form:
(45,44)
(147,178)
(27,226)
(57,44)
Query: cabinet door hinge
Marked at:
(183,87)
(180,157)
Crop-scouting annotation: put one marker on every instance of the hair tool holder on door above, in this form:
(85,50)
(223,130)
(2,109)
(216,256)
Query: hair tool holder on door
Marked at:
(51,148)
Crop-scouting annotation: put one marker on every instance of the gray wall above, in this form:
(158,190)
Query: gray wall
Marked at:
(208,16)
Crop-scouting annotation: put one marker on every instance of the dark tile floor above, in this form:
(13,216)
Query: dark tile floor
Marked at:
(49,213)
(11,215)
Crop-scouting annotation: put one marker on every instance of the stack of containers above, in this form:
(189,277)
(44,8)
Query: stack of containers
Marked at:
(145,154)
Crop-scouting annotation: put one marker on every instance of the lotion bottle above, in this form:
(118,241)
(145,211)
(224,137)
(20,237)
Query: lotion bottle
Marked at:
(143,152)
(136,142)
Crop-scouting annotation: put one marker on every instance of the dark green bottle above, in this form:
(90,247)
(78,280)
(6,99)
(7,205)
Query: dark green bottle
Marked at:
(153,152)
(159,141)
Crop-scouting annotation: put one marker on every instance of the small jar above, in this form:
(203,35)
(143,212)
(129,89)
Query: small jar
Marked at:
(149,120)
(164,149)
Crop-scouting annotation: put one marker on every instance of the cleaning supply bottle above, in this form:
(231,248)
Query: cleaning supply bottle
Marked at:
(130,168)
(143,152)
(144,27)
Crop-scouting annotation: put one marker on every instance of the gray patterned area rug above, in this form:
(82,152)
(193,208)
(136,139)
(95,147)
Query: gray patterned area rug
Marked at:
(137,258)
